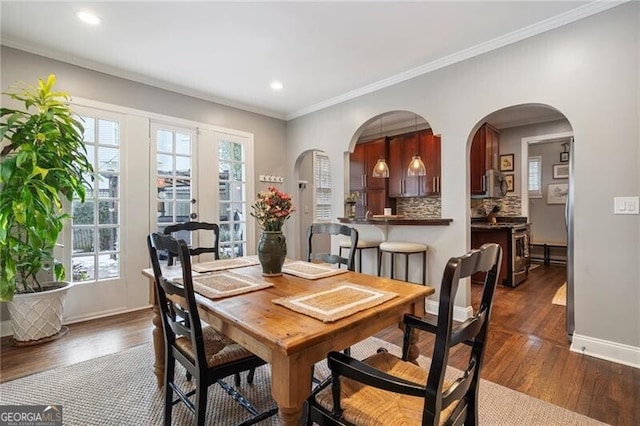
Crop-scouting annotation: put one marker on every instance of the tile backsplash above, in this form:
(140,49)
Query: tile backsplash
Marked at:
(420,207)
(431,207)
(511,205)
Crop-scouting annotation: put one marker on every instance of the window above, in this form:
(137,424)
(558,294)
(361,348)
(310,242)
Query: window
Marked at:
(535,177)
(322,175)
(95,243)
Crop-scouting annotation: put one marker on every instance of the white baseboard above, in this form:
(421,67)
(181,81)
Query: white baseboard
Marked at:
(7,330)
(460,314)
(603,349)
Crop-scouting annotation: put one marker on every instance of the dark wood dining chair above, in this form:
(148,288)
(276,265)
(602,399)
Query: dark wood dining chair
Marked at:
(316,229)
(206,354)
(332,229)
(182,229)
(385,389)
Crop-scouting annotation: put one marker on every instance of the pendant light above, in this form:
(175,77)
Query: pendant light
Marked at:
(381,169)
(416,165)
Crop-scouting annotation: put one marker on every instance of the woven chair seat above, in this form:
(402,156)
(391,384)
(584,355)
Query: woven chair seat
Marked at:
(219,349)
(367,405)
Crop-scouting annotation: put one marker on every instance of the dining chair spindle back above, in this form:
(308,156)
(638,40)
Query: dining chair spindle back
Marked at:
(206,354)
(385,389)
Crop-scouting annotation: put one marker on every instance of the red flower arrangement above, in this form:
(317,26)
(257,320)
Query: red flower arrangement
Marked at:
(272,208)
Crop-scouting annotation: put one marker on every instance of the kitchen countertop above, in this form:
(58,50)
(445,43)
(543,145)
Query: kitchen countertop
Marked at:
(397,221)
(499,225)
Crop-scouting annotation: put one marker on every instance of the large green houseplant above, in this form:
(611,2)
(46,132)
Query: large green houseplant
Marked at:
(43,161)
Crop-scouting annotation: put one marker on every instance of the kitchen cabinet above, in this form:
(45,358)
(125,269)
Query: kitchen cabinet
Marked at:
(429,146)
(515,256)
(373,190)
(485,155)
(402,148)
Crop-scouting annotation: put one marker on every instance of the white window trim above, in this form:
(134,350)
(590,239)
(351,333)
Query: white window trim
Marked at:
(535,193)
(316,155)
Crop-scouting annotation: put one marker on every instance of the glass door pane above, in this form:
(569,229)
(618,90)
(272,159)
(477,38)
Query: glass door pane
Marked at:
(232,213)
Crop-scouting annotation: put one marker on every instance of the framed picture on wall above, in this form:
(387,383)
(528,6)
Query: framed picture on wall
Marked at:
(506,163)
(509,179)
(560,171)
(557,193)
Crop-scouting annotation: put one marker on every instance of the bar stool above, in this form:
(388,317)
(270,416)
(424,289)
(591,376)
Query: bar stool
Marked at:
(362,245)
(407,249)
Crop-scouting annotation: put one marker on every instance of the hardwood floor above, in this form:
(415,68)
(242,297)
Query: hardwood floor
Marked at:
(85,340)
(528,351)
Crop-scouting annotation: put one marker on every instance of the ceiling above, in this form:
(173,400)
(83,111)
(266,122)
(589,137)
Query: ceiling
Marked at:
(322,52)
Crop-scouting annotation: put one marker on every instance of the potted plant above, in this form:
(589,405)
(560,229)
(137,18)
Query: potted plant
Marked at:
(43,161)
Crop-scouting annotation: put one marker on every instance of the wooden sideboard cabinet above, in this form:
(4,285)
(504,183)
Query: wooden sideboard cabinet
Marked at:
(373,190)
(485,155)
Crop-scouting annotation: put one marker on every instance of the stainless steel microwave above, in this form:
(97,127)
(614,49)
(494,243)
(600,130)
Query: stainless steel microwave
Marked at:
(495,184)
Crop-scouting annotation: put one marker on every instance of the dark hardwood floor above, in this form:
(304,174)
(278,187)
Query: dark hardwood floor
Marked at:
(528,351)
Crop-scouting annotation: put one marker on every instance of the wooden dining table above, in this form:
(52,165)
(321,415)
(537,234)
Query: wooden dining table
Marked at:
(293,342)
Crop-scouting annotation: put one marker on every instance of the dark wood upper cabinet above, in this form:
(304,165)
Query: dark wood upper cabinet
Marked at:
(373,190)
(402,148)
(430,152)
(485,155)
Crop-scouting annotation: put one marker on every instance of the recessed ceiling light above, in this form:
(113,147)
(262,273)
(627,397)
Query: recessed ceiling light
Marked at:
(88,18)
(276,85)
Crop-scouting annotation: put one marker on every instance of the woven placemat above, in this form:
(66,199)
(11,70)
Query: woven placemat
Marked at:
(225,284)
(222,264)
(311,271)
(337,302)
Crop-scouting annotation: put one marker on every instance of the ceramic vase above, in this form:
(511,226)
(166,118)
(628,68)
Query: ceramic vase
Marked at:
(272,249)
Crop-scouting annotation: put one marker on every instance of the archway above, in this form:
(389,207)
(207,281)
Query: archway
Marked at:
(313,197)
(392,136)
(534,142)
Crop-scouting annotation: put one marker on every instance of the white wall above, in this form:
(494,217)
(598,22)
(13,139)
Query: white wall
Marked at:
(547,220)
(511,143)
(588,71)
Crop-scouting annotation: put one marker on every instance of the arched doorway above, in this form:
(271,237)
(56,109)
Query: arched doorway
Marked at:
(534,142)
(313,198)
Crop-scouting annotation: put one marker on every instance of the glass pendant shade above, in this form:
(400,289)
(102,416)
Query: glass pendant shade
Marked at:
(381,170)
(416,167)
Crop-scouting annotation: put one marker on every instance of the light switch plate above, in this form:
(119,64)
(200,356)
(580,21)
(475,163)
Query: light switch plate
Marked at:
(626,205)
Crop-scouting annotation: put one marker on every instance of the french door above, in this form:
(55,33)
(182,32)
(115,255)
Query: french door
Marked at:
(94,244)
(201,175)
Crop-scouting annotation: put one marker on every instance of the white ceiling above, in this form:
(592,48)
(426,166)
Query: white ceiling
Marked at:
(323,52)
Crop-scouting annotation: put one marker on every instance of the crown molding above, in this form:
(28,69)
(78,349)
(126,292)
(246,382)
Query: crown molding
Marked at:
(585,11)
(138,78)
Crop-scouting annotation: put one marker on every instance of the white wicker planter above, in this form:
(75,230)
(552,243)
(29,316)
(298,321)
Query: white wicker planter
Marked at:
(35,316)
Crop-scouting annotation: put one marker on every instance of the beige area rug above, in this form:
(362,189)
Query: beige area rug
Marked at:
(120,389)
(560,298)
